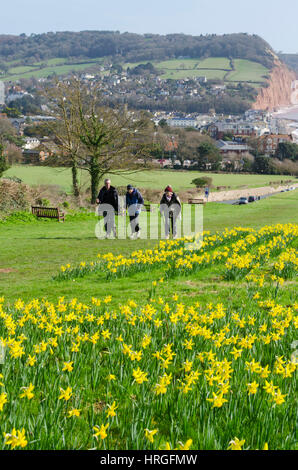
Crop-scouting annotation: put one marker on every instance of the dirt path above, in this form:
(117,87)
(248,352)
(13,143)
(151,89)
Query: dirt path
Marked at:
(237,193)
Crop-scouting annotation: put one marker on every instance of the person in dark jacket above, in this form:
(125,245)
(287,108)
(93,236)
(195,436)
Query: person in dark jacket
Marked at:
(170,208)
(134,201)
(108,195)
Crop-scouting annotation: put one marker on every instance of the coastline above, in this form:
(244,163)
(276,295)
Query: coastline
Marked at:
(289,113)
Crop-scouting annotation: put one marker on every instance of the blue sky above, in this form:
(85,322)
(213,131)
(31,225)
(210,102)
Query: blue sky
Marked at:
(274,20)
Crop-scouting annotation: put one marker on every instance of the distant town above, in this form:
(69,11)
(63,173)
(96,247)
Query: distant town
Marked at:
(239,138)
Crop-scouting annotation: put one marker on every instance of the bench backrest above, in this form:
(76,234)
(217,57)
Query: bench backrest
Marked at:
(196,201)
(50,212)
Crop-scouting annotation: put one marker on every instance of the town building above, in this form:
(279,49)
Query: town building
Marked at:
(218,129)
(268,143)
(182,122)
(232,147)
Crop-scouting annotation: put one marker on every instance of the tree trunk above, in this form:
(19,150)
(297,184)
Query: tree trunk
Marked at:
(75,183)
(95,177)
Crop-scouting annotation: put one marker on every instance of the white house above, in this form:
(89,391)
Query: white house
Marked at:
(31,143)
(182,122)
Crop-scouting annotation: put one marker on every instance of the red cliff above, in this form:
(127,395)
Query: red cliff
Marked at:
(279,91)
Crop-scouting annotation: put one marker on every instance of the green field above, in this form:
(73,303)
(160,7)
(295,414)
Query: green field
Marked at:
(215,63)
(181,74)
(212,68)
(43,69)
(246,70)
(36,175)
(159,358)
(35,251)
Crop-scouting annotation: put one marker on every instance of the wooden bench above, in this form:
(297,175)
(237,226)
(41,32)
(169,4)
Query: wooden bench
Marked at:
(196,201)
(148,208)
(48,212)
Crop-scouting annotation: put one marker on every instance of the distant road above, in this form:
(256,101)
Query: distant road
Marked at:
(264,196)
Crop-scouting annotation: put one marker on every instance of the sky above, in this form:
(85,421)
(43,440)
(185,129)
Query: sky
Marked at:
(273,20)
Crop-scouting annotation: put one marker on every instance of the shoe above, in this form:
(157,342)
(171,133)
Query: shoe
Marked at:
(132,236)
(138,234)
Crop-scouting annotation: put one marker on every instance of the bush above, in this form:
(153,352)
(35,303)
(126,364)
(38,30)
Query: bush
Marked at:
(202,181)
(19,217)
(15,197)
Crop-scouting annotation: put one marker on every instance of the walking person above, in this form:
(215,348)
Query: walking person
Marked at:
(170,208)
(134,201)
(108,196)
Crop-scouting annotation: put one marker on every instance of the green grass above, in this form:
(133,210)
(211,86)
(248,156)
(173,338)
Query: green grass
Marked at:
(46,71)
(21,70)
(246,70)
(181,74)
(33,252)
(37,175)
(215,63)
(175,64)
(212,68)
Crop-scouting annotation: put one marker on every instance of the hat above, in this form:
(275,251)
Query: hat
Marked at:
(169,189)
(129,186)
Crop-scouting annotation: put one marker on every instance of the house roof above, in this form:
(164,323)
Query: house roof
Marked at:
(231,146)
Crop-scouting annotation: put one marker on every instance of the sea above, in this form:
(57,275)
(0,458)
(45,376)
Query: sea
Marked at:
(290,114)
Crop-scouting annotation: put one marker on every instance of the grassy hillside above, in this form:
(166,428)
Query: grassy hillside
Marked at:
(36,175)
(33,252)
(178,349)
(58,66)
(212,68)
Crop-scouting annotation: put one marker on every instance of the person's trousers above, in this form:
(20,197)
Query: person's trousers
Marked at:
(110,225)
(170,224)
(134,223)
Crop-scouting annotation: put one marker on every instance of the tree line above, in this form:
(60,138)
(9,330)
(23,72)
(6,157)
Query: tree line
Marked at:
(132,47)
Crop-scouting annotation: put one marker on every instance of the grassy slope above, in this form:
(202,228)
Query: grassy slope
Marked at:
(33,175)
(246,70)
(33,253)
(212,67)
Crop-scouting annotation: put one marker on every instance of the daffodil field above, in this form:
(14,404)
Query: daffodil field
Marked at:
(160,371)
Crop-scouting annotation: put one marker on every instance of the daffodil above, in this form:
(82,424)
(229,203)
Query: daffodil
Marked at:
(3,400)
(140,376)
(74,412)
(101,431)
(236,444)
(65,394)
(252,388)
(150,434)
(16,438)
(28,392)
(111,410)
(68,366)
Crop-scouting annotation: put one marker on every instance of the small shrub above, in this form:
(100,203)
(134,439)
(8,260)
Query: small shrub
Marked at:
(202,181)
(45,202)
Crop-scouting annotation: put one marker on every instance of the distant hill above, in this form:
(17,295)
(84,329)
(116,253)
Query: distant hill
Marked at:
(291,60)
(130,47)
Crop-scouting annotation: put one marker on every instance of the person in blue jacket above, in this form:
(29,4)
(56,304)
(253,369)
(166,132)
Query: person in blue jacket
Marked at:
(134,202)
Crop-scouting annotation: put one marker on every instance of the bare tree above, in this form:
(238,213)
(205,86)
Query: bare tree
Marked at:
(60,99)
(114,139)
